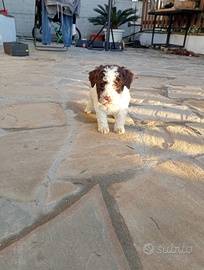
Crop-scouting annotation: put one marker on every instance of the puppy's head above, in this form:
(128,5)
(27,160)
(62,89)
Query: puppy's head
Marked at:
(110,81)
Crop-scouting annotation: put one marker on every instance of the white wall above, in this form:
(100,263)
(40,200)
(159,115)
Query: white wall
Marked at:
(24,10)
(194,43)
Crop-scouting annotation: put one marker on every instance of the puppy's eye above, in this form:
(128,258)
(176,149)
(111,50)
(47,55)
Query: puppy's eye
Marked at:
(117,84)
(119,88)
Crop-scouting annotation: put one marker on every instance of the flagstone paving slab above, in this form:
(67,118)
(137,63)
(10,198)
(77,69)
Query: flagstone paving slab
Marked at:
(80,237)
(197,104)
(28,79)
(31,115)
(83,156)
(30,154)
(149,80)
(188,80)
(198,128)
(201,159)
(171,139)
(74,90)
(151,97)
(58,190)
(163,210)
(12,220)
(167,113)
(29,91)
(185,92)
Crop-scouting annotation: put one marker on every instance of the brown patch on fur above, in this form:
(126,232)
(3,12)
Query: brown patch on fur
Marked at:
(96,77)
(96,74)
(119,85)
(126,75)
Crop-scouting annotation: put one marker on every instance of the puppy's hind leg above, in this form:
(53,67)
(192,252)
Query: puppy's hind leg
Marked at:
(90,106)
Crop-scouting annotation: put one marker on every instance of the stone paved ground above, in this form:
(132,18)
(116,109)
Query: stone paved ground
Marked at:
(72,198)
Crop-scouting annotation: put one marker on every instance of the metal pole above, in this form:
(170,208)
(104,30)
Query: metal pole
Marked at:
(3,5)
(169,30)
(109,25)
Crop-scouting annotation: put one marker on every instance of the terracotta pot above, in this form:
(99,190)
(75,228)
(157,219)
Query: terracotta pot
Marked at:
(100,37)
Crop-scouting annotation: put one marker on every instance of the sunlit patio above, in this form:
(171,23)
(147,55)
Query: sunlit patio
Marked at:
(78,199)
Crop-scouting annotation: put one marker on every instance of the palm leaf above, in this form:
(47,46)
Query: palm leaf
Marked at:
(101,10)
(118,17)
(99,20)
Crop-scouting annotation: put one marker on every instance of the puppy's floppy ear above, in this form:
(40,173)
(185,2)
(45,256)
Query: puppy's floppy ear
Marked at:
(94,75)
(126,76)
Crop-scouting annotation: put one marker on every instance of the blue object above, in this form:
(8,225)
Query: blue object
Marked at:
(46,27)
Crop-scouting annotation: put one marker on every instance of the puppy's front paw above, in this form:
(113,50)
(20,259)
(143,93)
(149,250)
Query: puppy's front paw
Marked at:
(87,110)
(119,130)
(103,130)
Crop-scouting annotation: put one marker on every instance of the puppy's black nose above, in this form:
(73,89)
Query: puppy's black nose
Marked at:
(108,98)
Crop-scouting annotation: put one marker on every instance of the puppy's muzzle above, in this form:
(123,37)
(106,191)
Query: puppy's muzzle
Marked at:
(108,98)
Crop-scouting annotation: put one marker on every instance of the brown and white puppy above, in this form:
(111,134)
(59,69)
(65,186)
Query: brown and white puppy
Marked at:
(110,95)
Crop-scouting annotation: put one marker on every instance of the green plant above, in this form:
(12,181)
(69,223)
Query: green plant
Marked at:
(196,30)
(199,6)
(118,17)
(197,3)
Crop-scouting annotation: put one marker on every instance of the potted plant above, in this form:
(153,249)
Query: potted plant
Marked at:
(118,18)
